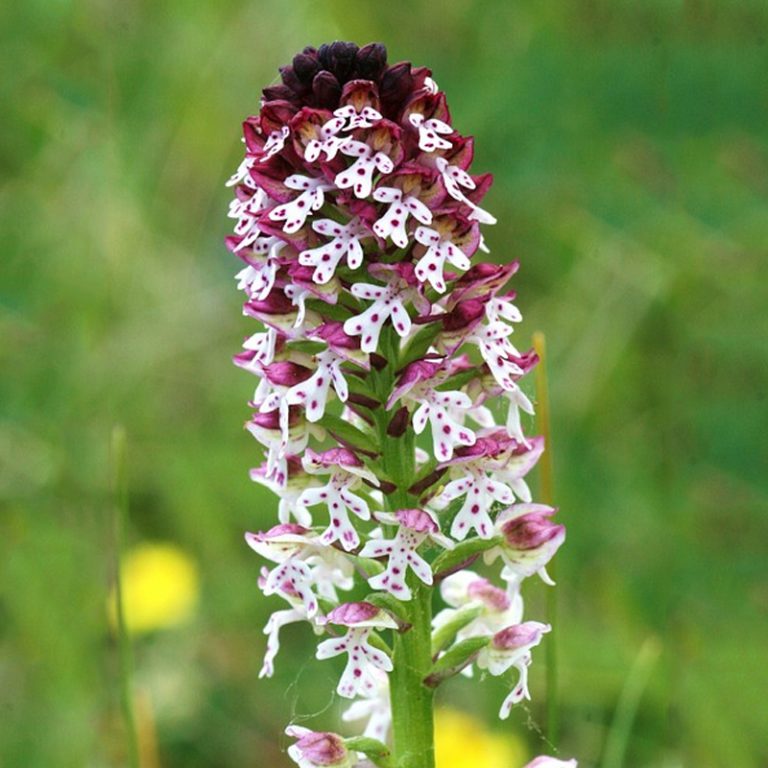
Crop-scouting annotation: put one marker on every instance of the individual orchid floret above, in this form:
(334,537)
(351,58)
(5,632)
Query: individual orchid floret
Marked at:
(454,178)
(280,444)
(312,393)
(353,119)
(479,489)
(392,223)
(498,352)
(373,708)
(361,619)
(258,278)
(311,199)
(512,648)
(259,351)
(318,750)
(246,209)
(388,302)
(493,608)
(359,176)
(329,142)
(429,132)
(415,526)
(430,267)
(345,243)
(275,142)
(347,473)
(434,407)
(287,545)
(530,540)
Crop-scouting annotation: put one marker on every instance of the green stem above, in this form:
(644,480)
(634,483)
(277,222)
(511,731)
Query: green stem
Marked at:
(412,702)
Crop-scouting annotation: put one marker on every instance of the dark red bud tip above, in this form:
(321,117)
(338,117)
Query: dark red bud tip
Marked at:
(326,90)
(277,93)
(305,67)
(377,361)
(399,423)
(366,402)
(396,83)
(530,531)
(387,487)
(418,488)
(338,57)
(371,60)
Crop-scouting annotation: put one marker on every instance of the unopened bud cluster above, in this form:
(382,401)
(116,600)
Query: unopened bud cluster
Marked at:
(358,227)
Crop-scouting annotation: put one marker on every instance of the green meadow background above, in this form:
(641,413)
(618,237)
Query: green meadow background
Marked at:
(630,150)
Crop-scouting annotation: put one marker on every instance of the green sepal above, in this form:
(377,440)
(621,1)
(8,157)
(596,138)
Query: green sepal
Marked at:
(450,560)
(454,660)
(361,386)
(369,566)
(458,380)
(419,345)
(338,312)
(373,749)
(443,637)
(348,433)
(308,346)
(396,608)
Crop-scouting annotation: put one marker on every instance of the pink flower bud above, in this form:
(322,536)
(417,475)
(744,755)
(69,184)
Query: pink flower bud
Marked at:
(417,520)
(532,531)
(519,636)
(317,749)
(353,614)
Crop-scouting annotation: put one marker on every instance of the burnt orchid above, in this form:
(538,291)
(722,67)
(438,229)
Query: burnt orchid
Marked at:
(388,403)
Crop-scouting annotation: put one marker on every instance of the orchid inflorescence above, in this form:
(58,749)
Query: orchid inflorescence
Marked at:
(357,221)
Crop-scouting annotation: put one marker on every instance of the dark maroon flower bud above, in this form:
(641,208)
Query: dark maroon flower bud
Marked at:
(291,79)
(305,67)
(396,86)
(343,56)
(278,93)
(370,61)
(326,90)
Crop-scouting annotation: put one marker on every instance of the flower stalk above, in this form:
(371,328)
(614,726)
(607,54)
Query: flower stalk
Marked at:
(388,404)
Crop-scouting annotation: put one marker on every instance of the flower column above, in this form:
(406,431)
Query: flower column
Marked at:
(358,222)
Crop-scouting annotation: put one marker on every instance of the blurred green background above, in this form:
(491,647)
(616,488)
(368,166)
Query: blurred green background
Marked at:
(630,150)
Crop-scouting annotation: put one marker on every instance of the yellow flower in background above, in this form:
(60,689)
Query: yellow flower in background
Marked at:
(462,741)
(160,588)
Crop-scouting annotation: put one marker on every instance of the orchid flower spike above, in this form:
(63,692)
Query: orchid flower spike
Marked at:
(382,344)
